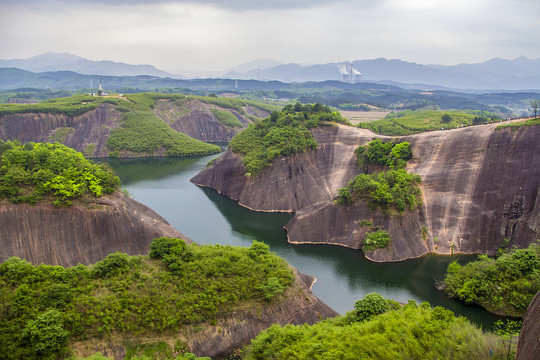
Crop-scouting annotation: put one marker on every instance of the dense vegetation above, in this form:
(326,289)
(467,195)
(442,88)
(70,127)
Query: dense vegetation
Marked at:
(31,172)
(390,190)
(44,307)
(281,134)
(411,122)
(505,285)
(390,154)
(226,118)
(142,131)
(378,329)
(376,240)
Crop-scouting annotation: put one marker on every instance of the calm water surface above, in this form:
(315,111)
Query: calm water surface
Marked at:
(343,275)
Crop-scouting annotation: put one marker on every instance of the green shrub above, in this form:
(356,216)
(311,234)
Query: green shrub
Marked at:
(505,285)
(408,332)
(162,246)
(372,304)
(57,296)
(272,288)
(390,190)
(32,171)
(378,152)
(46,334)
(111,265)
(376,240)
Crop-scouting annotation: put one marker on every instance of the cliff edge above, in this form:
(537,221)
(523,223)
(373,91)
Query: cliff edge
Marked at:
(529,338)
(480,185)
(76,234)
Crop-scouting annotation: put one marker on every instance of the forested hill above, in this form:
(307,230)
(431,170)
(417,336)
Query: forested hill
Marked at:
(142,124)
(207,300)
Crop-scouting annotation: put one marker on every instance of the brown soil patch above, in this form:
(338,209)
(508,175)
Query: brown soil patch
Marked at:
(356,117)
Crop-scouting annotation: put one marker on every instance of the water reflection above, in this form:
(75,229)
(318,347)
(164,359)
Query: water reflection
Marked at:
(343,275)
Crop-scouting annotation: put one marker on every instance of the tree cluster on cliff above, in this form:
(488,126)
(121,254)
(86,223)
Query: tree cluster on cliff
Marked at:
(178,285)
(378,329)
(505,285)
(393,189)
(31,172)
(281,134)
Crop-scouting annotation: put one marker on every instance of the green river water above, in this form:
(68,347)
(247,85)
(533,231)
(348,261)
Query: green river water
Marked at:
(343,275)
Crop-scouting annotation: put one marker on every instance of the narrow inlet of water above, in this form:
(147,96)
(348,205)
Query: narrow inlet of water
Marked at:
(343,275)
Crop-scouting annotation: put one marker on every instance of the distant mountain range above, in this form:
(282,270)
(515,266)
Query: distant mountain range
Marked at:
(69,62)
(495,74)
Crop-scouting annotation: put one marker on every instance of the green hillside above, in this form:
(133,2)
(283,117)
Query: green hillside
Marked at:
(379,329)
(412,122)
(281,134)
(45,309)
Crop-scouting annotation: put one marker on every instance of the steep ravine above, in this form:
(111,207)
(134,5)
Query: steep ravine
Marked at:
(480,185)
(76,234)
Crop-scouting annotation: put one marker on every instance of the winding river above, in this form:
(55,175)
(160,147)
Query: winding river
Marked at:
(343,275)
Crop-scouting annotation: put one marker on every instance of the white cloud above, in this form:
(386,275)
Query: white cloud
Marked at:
(215,34)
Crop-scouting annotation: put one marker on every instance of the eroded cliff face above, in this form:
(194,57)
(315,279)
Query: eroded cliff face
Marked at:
(195,119)
(480,185)
(87,133)
(72,235)
(528,346)
(294,182)
(220,338)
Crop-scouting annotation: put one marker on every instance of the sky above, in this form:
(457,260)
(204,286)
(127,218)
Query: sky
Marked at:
(220,34)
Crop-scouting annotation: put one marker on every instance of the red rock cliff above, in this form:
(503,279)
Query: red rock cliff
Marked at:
(480,185)
(72,235)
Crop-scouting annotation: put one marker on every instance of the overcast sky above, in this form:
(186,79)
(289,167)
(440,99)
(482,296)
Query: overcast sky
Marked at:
(219,34)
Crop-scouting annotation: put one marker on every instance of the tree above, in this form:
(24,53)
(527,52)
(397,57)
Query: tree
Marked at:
(446,118)
(372,304)
(46,334)
(535,104)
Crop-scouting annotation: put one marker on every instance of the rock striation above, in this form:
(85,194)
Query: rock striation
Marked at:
(87,133)
(77,234)
(480,185)
(528,345)
(195,119)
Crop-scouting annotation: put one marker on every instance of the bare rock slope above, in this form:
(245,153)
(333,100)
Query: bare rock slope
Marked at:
(480,185)
(528,344)
(87,133)
(72,235)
